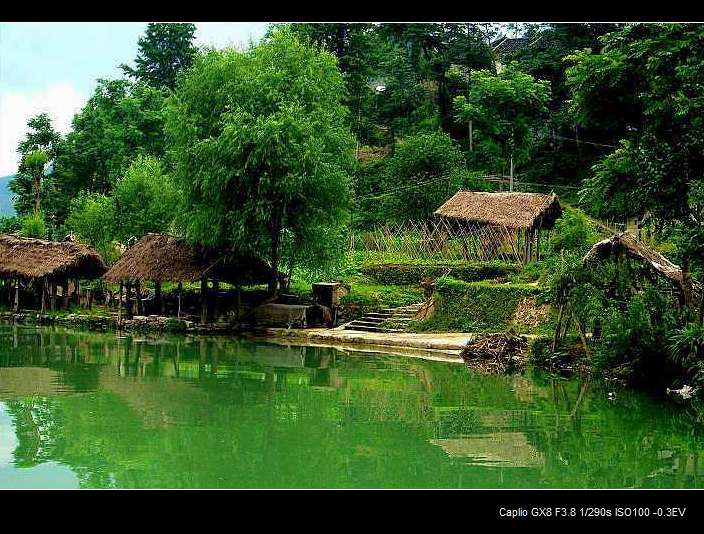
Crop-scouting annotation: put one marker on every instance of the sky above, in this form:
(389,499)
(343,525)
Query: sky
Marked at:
(53,67)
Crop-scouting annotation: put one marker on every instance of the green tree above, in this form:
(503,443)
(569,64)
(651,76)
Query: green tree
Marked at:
(119,121)
(145,199)
(261,146)
(506,109)
(653,75)
(92,220)
(33,164)
(425,170)
(40,138)
(33,225)
(165,49)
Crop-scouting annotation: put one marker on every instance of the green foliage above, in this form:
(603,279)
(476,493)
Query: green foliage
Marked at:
(374,296)
(120,121)
(92,219)
(145,199)
(635,336)
(9,224)
(687,349)
(574,232)
(406,274)
(474,306)
(33,225)
(645,87)
(261,146)
(505,110)
(424,169)
(165,50)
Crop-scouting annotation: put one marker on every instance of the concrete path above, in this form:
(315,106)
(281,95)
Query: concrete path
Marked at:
(447,343)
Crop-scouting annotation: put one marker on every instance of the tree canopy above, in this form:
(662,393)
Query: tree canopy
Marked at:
(261,146)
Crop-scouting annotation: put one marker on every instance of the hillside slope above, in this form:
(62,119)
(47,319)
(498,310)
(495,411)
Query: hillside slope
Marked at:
(6,196)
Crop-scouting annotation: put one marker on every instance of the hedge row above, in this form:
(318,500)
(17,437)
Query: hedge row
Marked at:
(408,274)
(474,306)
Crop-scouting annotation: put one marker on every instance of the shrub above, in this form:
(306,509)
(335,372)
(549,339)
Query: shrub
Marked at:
(407,274)
(474,306)
(33,225)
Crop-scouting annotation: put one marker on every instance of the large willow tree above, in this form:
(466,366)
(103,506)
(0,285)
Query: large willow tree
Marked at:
(262,148)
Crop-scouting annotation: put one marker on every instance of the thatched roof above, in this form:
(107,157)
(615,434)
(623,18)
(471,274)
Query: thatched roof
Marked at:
(624,243)
(160,258)
(35,258)
(512,210)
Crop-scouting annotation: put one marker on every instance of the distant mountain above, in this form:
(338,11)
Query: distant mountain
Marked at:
(6,196)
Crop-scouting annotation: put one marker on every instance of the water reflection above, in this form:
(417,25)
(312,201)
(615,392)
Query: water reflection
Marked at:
(97,410)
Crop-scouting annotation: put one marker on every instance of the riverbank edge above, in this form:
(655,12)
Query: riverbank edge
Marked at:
(449,345)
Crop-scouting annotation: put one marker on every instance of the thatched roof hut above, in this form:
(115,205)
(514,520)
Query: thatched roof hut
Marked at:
(624,244)
(36,258)
(160,258)
(524,211)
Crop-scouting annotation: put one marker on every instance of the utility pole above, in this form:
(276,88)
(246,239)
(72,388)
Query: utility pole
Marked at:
(511,176)
(471,141)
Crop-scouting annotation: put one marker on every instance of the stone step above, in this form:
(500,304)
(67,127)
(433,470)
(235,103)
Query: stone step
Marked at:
(372,329)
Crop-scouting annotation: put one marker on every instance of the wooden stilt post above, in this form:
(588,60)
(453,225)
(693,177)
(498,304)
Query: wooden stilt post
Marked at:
(65,293)
(119,306)
(158,301)
(44,291)
(239,300)
(203,300)
(180,291)
(52,288)
(138,297)
(128,301)
(76,292)
(17,295)
(216,293)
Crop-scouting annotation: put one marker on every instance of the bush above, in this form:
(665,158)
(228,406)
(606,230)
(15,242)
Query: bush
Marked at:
(33,225)
(474,306)
(407,274)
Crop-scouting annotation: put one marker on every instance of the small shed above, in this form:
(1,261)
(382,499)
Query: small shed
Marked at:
(53,263)
(160,258)
(503,220)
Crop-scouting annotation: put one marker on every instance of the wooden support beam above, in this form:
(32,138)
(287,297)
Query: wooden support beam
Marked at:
(45,288)
(119,306)
(158,300)
(52,288)
(16,305)
(128,301)
(180,292)
(138,297)
(204,300)
(65,293)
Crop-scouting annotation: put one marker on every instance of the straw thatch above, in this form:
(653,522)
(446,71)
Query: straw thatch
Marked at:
(35,258)
(510,210)
(160,258)
(625,244)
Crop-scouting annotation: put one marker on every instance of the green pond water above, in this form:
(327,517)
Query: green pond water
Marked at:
(80,409)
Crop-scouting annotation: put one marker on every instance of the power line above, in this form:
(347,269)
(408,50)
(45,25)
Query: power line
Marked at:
(581,142)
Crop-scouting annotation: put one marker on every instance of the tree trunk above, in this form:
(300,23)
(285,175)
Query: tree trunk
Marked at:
(275,228)
(37,193)
(686,284)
